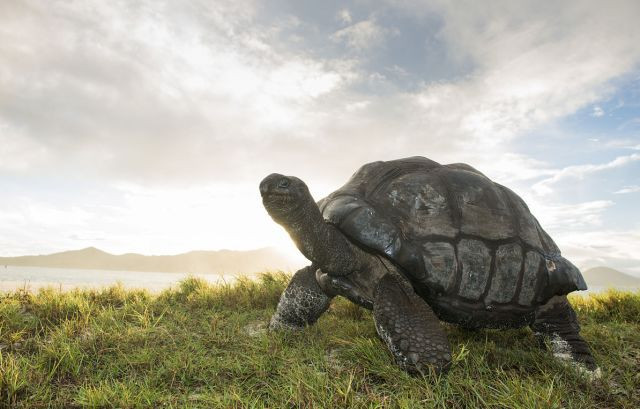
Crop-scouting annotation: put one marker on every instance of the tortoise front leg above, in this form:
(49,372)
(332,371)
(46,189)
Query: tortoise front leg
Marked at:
(301,303)
(409,327)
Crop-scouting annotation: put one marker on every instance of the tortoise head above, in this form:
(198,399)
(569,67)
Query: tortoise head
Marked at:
(285,197)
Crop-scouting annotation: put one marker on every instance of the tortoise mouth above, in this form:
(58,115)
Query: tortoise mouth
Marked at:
(271,195)
(277,202)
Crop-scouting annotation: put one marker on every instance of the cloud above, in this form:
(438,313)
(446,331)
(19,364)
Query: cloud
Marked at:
(17,151)
(345,16)
(531,67)
(597,112)
(363,35)
(168,94)
(585,238)
(563,217)
(150,91)
(617,249)
(37,226)
(633,122)
(628,189)
(137,218)
(620,143)
(512,169)
(544,187)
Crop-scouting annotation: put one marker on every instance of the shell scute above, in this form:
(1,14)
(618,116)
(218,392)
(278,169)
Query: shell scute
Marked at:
(441,265)
(475,261)
(507,274)
(419,205)
(483,208)
(530,278)
(373,231)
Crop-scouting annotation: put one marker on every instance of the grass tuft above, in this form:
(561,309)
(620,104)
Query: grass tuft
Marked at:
(201,346)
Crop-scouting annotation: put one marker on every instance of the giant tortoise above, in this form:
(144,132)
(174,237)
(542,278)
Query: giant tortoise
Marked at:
(419,242)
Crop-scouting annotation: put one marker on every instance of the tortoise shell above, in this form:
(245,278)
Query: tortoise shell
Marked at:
(460,238)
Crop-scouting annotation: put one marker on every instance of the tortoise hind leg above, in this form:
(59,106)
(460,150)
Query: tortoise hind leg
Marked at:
(301,303)
(408,326)
(556,322)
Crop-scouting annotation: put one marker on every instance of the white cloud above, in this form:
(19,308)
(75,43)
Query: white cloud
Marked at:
(212,75)
(145,220)
(580,231)
(628,189)
(17,150)
(633,122)
(511,168)
(363,35)
(357,106)
(604,247)
(531,66)
(120,83)
(544,187)
(597,112)
(564,217)
(345,16)
(620,143)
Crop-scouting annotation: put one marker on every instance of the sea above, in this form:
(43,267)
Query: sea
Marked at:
(33,278)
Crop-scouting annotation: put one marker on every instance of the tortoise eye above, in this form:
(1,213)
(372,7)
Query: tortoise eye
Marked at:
(283,183)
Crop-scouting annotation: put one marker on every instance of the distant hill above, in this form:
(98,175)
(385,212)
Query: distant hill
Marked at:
(609,277)
(221,261)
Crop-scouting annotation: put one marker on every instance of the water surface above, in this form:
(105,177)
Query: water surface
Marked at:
(14,277)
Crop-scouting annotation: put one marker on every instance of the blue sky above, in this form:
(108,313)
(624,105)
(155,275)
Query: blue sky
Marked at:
(146,126)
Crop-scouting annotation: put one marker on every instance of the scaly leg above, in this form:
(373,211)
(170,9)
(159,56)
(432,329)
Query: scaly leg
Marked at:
(556,322)
(301,303)
(408,326)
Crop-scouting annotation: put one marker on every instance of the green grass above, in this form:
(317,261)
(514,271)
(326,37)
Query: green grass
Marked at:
(206,346)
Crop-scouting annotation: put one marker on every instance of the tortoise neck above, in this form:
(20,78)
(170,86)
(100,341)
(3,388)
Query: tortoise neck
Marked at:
(322,243)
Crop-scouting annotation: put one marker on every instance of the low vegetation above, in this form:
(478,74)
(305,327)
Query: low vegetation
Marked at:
(205,346)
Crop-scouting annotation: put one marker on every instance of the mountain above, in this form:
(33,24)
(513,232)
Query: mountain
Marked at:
(608,277)
(221,261)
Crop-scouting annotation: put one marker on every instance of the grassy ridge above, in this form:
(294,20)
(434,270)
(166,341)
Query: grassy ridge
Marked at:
(206,346)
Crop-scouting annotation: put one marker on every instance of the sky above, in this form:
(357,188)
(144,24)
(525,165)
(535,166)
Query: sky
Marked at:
(146,126)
